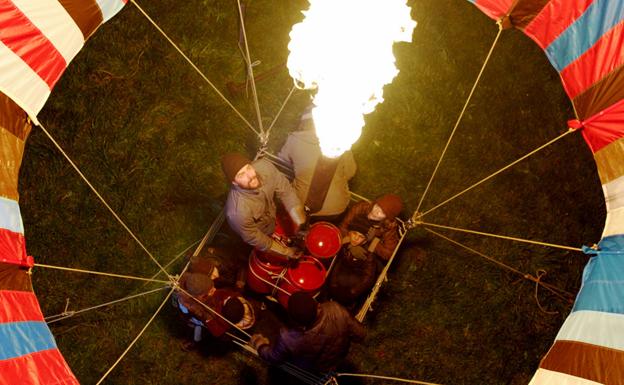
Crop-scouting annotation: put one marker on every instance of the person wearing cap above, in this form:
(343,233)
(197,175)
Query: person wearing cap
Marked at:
(250,208)
(319,338)
(377,224)
(198,301)
(321,183)
(355,269)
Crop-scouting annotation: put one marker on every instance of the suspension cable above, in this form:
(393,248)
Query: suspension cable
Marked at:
(71,313)
(279,112)
(417,215)
(250,71)
(99,273)
(137,337)
(194,67)
(84,178)
(501,236)
(384,378)
(553,289)
(461,114)
(178,256)
(380,279)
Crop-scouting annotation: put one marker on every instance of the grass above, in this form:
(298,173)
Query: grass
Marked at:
(148,132)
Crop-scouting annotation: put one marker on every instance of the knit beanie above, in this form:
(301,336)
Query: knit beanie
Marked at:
(198,284)
(302,308)
(232,163)
(391,205)
(233,310)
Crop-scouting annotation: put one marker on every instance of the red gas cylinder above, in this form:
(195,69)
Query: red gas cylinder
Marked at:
(323,240)
(262,273)
(308,274)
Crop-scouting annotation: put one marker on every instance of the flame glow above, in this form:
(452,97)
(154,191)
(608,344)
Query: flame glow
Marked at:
(343,50)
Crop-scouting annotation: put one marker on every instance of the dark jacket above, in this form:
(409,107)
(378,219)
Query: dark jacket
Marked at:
(353,275)
(321,347)
(385,234)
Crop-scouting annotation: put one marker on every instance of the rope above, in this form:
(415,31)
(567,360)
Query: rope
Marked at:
(502,237)
(194,67)
(84,178)
(99,273)
(461,114)
(494,174)
(382,276)
(180,254)
(68,314)
(250,72)
(540,274)
(553,289)
(384,378)
(136,338)
(279,112)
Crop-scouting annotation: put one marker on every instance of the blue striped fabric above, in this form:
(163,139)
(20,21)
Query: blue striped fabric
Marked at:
(603,284)
(21,338)
(612,243)
(10,217)
(599,18)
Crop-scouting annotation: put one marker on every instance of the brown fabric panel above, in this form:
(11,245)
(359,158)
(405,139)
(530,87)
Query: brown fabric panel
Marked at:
(592,362)
(601,95)
(11,152)
(610,161)
(13,118)
(525,11)
(13,277)
(86,14)
(321,180)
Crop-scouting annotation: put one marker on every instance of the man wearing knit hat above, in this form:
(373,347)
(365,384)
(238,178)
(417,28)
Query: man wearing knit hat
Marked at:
(319,339)
(250,208)
(379,217)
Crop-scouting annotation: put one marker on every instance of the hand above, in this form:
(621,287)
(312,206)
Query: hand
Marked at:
(257,340)
(295,255)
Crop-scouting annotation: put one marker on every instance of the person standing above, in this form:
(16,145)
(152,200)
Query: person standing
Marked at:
(321,183)
(250,208)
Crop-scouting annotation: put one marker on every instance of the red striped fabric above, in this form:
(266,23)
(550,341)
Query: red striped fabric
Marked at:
(554,19)
(605,127)
(12,247)
(19,306)
(596,63)
(22,37)
(47,367)
(494,8)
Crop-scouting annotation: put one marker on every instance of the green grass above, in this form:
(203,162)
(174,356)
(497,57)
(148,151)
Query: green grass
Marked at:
(148,132)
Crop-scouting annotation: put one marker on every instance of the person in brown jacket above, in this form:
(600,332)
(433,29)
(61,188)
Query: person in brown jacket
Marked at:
(379,217)
(320,338)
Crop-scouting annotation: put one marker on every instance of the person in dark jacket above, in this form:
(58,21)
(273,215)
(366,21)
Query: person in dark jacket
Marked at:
(379,217)
(320,338)
(355,269)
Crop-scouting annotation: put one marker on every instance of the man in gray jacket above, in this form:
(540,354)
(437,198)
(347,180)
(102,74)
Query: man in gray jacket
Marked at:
(250,208)
(321,183)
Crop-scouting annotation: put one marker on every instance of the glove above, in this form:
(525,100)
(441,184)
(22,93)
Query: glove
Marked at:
(295,256)
(258,340)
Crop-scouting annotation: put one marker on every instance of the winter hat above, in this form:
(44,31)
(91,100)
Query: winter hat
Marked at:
(391,205)
(302,308)
(198,284)
(361,224)
(232,163)
(233,310)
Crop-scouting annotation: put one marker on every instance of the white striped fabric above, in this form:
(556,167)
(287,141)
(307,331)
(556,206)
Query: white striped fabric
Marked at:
(20,83)
(10,217)
(54,22)
(110,8)
(614,223)
(594,327)
(548,377)
(614,193)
